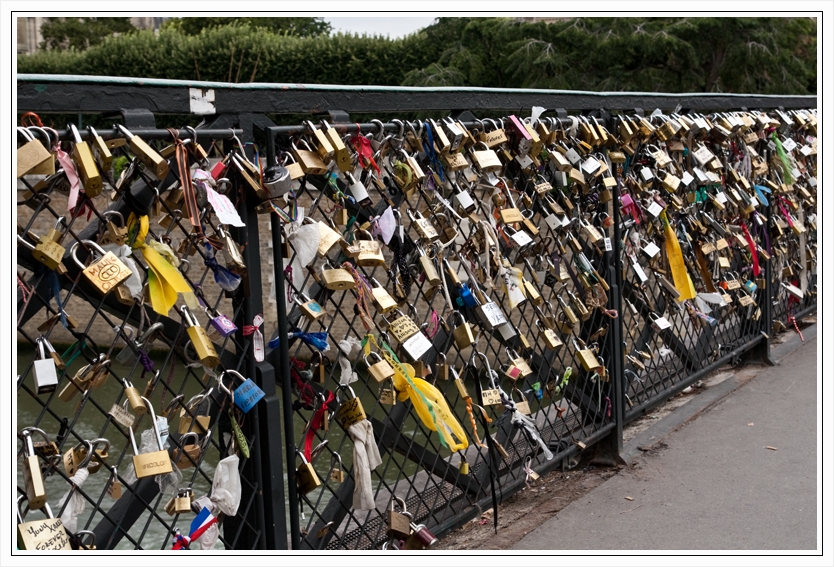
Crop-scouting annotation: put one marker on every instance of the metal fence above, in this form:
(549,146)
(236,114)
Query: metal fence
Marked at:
(594,337)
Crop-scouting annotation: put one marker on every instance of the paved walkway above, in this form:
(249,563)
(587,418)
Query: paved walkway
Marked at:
(716,485)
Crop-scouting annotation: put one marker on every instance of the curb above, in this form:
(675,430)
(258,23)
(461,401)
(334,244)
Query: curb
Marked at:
(703,402)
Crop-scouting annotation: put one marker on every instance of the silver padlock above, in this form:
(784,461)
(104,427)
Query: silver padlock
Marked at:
(277,180)
(44,372)
(128,353)
(358,190)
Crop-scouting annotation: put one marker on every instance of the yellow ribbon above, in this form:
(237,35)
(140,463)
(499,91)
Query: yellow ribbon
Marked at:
(683,283)
(164,279)
(428,401)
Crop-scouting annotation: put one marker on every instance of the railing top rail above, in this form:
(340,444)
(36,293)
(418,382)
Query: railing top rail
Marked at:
(83,93)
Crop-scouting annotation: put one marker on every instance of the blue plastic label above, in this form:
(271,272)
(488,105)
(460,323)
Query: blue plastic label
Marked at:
(247,395)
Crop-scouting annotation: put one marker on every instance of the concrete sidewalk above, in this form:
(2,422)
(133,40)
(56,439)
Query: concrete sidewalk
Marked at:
(714,484)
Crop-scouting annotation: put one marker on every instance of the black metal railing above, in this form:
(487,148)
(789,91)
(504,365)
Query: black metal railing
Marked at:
(631,345)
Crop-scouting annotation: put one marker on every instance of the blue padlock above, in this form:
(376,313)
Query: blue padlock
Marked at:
(750,286)
(244,396)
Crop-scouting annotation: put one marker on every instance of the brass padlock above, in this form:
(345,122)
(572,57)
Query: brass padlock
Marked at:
(399,523)
(81,381)
(181,502)
(350,411)
(189,454)
(586,357)
(337,278)
(403,327)
(100,150)
(41,535)
(115,234)
(424,227)
(31,155)
(427,263)
(388,396)
(155,462)
(381,371)
(82,155)
(48,251)
(489,396)
(147,155)
(548,336)
(337,474)
(381,299)
(486,160)
(370,252)
(340,152)
(310,162)
(78,457)
(198,423)
(309,307)
(199,339)
(305,476)
(134,398)
(32,475)
(522,406)
(441,369)
(105,273)
(462,333)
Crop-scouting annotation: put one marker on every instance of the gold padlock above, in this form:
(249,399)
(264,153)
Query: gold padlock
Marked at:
(309,307)
(32,476)
(337,278)
(306,476)
(199,423)
(32,154)
(381,299)
(105,273)
(350,411)
(82,155)
(188,455)
(41,535)
(548,336)
(586,357)
(310,162)
(370,251)
(381,371)
(134,398)
(153,463)
(337,474)
(147,155)
(462,333)
(206,354)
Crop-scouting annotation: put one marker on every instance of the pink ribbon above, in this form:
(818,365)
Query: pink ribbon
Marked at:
(72,175)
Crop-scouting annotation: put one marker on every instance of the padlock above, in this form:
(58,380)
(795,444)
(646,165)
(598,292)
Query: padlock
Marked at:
(420,538)
(548,336)
(134,398)
(191,419)
(309,307)
(82,155)
(370,252)
(660,323)
(32,475)
(358,191)
(44,372)
(486,160)
(105,273)
(306,476)
(350,410)
(337,278)
(182,501)
(81,381)
(523,407)
(147,155)
(48,251)
(114,234)
(188,454)
(520,238)
(424,227)
(33,156)
(441,369)
(381,299)
(311,163)
(403,327)
(244,396)
(399,523)
(199,339)
(427,263)
(78,457)
(532,293)
(381,371)
(277,180)
(489,396)
(337,474)
(155,462)
(462,333)
(128,354)
(586,357)
(98,456)
(388,396)
(41,535)
(100,150)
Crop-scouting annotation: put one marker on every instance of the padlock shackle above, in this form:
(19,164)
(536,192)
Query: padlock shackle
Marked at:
(85,462)
(91,244)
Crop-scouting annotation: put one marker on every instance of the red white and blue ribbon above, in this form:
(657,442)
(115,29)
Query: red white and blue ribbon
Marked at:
(204,520)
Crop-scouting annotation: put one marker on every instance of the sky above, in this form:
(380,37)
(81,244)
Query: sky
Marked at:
(397,26)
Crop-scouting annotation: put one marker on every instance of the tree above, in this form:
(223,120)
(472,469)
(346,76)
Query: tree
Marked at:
(81,33)
(300,27)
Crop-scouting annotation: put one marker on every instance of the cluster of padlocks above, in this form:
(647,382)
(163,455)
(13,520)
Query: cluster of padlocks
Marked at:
(435,280)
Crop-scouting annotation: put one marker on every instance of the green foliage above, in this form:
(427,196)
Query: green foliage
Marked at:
(301,27)
(81,33)
(752,55)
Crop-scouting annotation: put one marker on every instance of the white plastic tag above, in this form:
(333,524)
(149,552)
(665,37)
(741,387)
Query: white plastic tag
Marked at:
(655,209)
(608,247)
(638,269)
(686,178)
(651,249)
